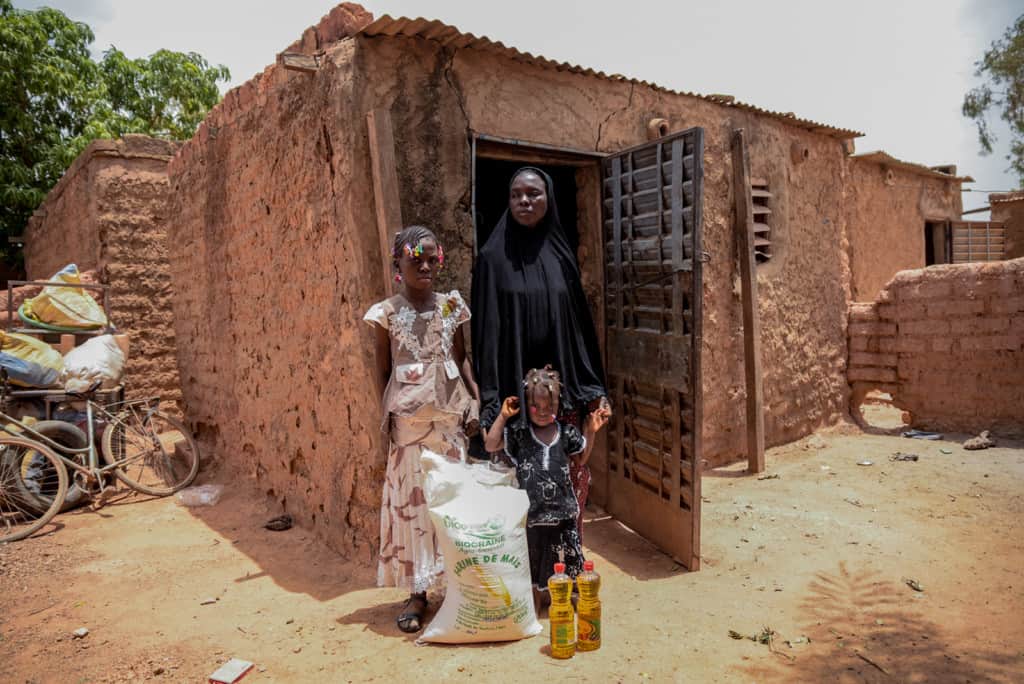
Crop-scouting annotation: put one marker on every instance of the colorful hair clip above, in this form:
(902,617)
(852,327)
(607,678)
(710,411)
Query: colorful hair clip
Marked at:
(440,255)
(408,250)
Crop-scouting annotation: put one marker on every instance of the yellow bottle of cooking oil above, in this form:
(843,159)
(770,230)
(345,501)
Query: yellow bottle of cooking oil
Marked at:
(588,582)
(563,624)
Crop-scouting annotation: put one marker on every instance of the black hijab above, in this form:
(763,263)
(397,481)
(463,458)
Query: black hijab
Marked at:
(529,310)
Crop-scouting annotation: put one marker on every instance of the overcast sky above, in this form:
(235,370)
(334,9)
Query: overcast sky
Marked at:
(897,70)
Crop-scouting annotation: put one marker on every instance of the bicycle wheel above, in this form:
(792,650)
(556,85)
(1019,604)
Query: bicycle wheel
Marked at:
(72,437)
(30,473)
(154,453)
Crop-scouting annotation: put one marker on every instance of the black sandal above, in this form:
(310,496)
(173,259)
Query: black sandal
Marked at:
(411,621)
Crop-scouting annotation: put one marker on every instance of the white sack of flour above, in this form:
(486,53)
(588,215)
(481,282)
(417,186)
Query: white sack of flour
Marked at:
(480,519)
(98,359)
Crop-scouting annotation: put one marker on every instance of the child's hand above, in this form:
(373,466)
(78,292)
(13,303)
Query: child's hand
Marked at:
(472,428)
(510,407)
(598,419)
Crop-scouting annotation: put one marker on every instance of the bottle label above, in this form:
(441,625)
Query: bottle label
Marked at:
(589,630)
(563,634)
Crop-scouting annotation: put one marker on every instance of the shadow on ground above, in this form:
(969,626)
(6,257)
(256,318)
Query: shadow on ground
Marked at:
(295,559)
(865,628)
(625,549)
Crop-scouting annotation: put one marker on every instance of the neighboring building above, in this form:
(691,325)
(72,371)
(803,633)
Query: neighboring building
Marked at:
(109,213)
(898,217)
(1008,208)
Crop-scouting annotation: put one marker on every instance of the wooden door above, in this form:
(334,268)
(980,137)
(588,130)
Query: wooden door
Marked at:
(652,197)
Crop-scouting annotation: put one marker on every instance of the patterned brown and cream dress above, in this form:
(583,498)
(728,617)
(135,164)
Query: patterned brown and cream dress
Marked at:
(426,404)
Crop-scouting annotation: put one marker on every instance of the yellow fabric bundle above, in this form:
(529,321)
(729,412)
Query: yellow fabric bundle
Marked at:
(68,307)
(29,362)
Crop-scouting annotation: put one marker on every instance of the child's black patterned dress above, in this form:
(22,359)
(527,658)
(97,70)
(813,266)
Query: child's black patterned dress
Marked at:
(543,471)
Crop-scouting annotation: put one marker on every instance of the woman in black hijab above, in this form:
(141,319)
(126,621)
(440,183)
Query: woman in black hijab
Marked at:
(529,311)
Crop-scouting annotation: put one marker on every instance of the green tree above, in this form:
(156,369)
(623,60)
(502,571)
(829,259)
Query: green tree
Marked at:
(166,95)
(55,99)
(1002,67)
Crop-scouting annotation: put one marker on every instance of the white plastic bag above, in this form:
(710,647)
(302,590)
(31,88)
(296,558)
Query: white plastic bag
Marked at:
(480,520)
(98,359)
(200,495)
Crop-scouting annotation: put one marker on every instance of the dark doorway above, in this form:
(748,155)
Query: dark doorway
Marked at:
(493,177)
(935,243)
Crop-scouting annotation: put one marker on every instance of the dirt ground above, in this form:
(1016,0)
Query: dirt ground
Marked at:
(819,552)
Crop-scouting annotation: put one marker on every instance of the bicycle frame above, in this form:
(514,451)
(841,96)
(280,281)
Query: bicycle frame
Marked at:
(93,471)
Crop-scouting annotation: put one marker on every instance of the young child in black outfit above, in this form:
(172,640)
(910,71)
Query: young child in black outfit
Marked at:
(541,448)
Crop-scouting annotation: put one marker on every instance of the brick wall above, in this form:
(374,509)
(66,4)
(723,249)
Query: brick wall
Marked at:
(947,342)
(109,213)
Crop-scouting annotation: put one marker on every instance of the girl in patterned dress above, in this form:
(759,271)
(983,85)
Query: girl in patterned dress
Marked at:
(430,397)
(542,448)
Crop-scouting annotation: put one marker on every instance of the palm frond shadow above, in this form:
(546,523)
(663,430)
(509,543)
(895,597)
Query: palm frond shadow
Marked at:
(864,627)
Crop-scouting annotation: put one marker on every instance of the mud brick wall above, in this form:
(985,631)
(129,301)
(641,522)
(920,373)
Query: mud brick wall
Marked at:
(109,213)
(947,342)
(275,260)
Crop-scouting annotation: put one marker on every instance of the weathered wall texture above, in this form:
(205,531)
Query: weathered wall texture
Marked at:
(1008,207)
(947,342)
(275,261)
(886,211)
(109,213)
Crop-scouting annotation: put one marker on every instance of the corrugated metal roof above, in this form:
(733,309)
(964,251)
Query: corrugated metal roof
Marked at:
(1012,196)
(449,36)
(880,157)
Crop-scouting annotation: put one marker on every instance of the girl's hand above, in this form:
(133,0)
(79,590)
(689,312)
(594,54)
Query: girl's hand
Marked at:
(600,403)
(509,407)
(472,428)
(598,419)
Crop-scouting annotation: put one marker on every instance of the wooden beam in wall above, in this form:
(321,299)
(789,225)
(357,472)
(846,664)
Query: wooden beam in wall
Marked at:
(385,187)
(294,61)
(751,321)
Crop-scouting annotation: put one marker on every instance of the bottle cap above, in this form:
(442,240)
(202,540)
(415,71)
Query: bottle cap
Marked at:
(559,568)
(588,566)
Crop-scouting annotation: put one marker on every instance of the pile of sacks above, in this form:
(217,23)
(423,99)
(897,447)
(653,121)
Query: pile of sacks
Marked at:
(31,362)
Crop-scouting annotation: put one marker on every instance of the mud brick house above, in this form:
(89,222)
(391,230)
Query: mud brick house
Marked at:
(1007,208)
(285,199)
(109,213)
(898,214)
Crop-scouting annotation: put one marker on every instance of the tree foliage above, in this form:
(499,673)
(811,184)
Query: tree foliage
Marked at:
(55,99)
(1002,67)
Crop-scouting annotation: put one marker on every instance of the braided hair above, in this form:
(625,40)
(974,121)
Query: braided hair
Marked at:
(544,379)
(410,235)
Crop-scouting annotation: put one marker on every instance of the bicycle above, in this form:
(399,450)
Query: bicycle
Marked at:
(143,447)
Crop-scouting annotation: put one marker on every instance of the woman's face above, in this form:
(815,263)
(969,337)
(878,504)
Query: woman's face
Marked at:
(528,199)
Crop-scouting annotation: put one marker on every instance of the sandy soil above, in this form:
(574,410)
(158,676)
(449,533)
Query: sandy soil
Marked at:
(820,553)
